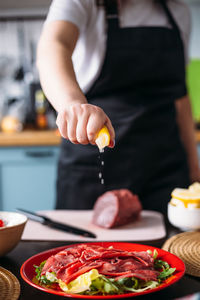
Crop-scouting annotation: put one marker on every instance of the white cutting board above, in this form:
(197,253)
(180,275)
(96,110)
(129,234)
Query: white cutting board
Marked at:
(149,227)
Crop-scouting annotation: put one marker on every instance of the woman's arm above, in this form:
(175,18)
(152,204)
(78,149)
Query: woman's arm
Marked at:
(57,76)
(77,120)
(187,133)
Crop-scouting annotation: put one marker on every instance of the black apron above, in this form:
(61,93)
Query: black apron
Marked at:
(142,75)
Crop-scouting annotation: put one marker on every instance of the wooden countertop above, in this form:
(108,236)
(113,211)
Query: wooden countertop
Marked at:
(38,138)
(198,136)
(30,138)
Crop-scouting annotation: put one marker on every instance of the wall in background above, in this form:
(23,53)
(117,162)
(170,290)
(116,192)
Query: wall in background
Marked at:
(19,39)
(194,50)
(193,71)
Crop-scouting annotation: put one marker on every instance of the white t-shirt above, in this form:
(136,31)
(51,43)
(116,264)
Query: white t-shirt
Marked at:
(90,49)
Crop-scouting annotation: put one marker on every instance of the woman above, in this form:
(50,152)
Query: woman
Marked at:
(119,64)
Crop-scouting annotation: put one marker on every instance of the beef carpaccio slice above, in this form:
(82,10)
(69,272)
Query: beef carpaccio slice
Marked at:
(116,208)
(74,261)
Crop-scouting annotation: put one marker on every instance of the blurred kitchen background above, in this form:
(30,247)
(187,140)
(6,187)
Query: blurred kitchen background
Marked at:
(29,142)
(20,93)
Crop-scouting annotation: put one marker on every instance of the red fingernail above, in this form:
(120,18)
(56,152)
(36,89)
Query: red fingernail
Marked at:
(112,144)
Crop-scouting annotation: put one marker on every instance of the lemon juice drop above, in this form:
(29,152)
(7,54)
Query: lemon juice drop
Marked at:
(102,141)
(101,165)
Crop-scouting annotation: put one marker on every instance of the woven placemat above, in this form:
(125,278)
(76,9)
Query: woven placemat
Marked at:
(186,246)
(9,285)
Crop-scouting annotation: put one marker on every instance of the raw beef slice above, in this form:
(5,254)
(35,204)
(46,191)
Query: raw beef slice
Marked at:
(115,208)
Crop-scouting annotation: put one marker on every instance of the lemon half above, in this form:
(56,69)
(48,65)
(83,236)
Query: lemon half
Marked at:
(184,194)
(187,197)
(103,138)
(81,283)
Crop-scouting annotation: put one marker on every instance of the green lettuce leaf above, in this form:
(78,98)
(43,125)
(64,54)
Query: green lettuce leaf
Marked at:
(41,278)
(166,270)
(104,285)
(166,273)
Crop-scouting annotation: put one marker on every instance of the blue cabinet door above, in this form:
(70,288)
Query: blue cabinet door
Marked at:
(28,178)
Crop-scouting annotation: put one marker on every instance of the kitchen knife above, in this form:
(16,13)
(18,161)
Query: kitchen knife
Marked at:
(64,227)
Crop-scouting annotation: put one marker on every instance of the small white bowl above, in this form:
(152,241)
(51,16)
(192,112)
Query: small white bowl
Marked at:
(184,218)
(11,233)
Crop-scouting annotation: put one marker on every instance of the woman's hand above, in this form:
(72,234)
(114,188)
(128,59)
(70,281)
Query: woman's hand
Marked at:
(80,123)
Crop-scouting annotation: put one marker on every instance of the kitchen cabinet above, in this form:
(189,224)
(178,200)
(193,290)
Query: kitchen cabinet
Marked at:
(28,177)
(24,8)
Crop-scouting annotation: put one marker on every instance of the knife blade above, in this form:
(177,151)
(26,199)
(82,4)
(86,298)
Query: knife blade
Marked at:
(57,225)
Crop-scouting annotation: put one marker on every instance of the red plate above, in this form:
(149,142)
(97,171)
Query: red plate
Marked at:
(28,271)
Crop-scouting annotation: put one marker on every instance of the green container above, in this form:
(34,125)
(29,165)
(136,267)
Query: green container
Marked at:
(193,83)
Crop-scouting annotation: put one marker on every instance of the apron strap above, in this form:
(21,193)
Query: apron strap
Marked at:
(170,16)
(111,8)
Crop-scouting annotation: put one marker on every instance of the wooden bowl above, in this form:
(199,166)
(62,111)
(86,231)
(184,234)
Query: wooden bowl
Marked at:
(11,233)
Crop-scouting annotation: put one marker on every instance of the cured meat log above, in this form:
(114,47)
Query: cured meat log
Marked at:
(115,208)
